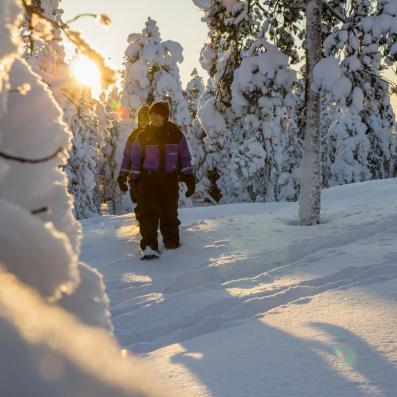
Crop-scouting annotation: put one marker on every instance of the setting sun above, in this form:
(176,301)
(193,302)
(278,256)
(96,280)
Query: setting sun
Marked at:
(86,73)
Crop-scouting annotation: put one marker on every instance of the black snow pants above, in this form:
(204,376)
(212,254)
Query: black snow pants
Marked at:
(134,201)
(158,196)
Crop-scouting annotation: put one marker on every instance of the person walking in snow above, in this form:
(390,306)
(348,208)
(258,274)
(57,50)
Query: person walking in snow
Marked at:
(160,158)
(125,169)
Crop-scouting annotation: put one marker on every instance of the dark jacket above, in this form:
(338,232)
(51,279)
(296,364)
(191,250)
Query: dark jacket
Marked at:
(125,168)
(162,149)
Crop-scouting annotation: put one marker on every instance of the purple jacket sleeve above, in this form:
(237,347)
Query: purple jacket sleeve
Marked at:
(136,160)
(185,158)
(125,168)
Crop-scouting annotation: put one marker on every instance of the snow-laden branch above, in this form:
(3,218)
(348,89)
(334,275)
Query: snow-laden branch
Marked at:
(102,18)
(108,75)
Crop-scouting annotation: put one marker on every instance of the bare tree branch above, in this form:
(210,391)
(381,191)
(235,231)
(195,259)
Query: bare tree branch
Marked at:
(39,210)
(30,161)
(108,75)
(81,16)
(333,12)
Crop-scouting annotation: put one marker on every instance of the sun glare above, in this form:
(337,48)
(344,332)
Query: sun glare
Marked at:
(87,74)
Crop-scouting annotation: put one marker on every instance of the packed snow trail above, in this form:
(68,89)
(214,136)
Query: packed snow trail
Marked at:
(253,304)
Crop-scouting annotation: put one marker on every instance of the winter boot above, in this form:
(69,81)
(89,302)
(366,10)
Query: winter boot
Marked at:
(149,253)
(172,245)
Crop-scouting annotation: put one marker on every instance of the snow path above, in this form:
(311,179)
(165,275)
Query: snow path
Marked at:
(254,305)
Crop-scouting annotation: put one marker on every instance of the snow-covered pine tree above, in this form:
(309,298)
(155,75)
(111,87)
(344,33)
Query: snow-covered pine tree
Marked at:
(108,114)
(288,33)
(262,97)
(246,127)
(292,152)
(84,164)
(346,139)
(45,53)
(195,134)
(220,56)
(232,25)
(364,40)
(328,145)
(151,73)
(350,162)
(205,159)
(193,91)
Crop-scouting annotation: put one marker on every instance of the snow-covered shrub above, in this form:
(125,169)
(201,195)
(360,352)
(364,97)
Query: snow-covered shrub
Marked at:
(365,45)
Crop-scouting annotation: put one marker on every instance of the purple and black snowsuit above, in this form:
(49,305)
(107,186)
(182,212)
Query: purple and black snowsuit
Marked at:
(126,164)
(159,157)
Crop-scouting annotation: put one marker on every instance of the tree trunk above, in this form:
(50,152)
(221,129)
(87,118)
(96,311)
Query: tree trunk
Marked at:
(310,196)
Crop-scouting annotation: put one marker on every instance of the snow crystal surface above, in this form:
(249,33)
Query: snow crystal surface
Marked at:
(253,304)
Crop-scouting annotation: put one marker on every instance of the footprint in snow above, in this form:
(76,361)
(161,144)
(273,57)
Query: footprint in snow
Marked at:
(217,244)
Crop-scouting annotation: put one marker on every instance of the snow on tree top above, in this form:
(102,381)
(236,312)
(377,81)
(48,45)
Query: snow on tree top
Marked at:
(329,77)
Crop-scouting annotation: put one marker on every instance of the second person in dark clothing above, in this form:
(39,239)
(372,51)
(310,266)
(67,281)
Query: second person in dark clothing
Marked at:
(125,169)
(160,158)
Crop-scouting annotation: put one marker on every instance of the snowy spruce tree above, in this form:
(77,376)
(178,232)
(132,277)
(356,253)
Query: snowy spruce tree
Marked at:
(226,161)
(193,91)
(360,35)
(329,112)
(364,40)
(151,74)
(108,115)
(292,151)
(195,134)
(45,53)
(85,163)
(245,127)
(219,57)
(262,97)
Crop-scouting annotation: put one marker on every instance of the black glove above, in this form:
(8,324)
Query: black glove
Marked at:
(190,182)
(122,181)
(134,184)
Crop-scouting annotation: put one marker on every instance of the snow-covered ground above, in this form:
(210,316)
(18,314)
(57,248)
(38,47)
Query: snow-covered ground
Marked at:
(254,305)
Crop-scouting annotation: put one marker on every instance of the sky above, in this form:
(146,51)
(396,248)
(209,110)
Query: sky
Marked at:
(178,20)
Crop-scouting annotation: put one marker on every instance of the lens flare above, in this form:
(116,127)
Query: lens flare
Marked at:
(343,354)
(87,74)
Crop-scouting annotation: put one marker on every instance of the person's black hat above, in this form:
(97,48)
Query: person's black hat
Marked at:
(160,108)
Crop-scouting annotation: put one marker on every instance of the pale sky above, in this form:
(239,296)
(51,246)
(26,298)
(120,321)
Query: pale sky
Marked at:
(178,20)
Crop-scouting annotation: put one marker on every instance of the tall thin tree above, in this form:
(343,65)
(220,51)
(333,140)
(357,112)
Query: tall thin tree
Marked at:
(310,197)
